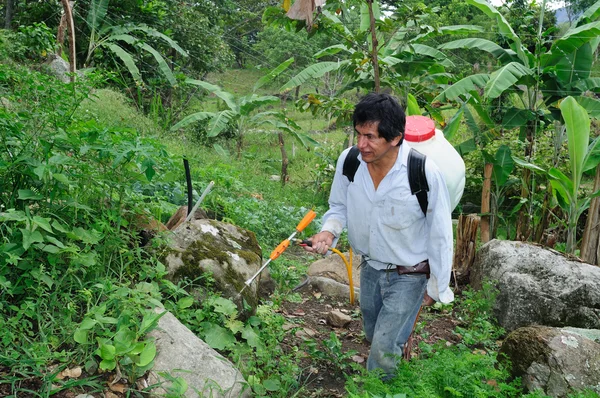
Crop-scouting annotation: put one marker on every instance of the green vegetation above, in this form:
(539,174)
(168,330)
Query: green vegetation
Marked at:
(86,166)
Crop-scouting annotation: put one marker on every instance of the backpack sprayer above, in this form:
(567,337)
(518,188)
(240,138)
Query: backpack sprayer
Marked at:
(282,246)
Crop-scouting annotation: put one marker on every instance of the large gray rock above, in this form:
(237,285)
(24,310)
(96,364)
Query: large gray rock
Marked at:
(554,360)
(330,276)
(231,254)
(538,286)
(180,353)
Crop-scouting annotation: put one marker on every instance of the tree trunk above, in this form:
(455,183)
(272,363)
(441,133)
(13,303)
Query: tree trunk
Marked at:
(69,15)
(284,159)
(466,238)
(485,202)
(524,220)
(375,46)
(9,11)
(60,36)
(591,234)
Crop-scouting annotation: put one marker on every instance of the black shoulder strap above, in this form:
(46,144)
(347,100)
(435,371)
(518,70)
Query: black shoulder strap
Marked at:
(351,163)
(416,173)
(417,178)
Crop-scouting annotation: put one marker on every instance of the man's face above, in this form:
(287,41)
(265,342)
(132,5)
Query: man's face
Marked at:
(372,147)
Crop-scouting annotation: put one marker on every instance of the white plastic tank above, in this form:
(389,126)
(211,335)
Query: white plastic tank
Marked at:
(422,135)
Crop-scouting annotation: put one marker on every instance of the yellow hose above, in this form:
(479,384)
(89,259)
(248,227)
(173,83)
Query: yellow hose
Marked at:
(349,269)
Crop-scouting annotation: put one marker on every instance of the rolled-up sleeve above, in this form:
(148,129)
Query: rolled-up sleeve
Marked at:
(440,244)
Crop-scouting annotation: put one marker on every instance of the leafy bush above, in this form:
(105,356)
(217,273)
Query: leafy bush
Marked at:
(69,215)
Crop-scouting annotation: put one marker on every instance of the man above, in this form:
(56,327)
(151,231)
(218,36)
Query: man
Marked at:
(388,228)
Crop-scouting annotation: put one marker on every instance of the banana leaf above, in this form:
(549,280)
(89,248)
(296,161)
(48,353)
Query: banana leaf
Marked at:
(162,64)
(504,78)
(194,117)
(577,123)
(251,102)
(218,91)
(502,54)
(127,60)
(575,66)
(463,87)
(591,105)
(505,30)
(220,122)
(332,50)
(365,19)
(590,15)
(96,15)
(575,38)
(269,77)
(312,72)
(412,106)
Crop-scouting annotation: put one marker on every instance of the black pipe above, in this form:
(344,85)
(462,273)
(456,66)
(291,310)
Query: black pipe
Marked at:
(188,180)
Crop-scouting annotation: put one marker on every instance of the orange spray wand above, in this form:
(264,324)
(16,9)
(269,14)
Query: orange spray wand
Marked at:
(283,246)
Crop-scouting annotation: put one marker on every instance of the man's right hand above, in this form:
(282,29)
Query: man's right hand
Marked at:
(321,242)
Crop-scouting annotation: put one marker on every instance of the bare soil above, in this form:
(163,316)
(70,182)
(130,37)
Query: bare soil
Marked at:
(326,380)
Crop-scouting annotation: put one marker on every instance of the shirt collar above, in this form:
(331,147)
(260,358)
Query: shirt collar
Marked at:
(402,159)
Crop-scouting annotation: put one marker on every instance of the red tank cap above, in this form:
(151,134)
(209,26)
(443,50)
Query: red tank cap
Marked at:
(419,128)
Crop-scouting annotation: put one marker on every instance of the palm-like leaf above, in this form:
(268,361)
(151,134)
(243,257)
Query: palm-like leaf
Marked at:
(591,84)
(194,117)
(312,72)
(155,33)
(577,123)
(575,66)
(220,122)
(503,166)
(591,105)
(590,15)
(96,15)
(251,102)
(162,64)
(502,54)
(504,78)
(505,29)
(127,60)
(592,157)
(575,38)
(463,87)
(269,77)
(428,51)
(332,50)
(218,91)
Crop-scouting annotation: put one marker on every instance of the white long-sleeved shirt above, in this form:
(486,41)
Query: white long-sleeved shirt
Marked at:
(387,225)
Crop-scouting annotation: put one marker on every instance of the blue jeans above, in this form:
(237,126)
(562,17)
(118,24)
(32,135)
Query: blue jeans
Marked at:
(389,304)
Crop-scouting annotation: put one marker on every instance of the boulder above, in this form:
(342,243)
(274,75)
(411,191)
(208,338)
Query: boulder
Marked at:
(179,353)
(329,275)
(554,360)
(59,68)
(229,253)
(538,286)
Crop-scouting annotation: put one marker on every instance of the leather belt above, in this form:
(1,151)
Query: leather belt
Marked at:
(421,268)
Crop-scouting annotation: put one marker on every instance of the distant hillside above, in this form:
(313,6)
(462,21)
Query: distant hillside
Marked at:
(562,16)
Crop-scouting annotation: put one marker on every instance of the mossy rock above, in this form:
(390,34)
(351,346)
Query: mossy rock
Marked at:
(229,253)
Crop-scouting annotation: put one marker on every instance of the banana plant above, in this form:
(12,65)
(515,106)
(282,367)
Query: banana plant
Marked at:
(406,64)
(582,157)
(556,70)
(112,39)
(239,114)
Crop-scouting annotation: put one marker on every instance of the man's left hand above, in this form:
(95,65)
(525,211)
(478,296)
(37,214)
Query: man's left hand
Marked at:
(427,301)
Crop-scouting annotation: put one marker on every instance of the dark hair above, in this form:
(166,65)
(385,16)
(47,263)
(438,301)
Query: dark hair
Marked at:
(382,108)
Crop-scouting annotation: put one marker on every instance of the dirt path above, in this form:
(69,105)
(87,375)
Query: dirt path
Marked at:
(329,362)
